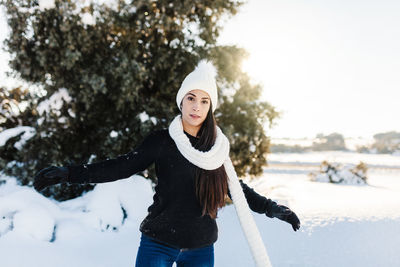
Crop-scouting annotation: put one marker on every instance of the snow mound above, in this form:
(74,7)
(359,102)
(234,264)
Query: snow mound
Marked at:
(36,222)
(25,212)
(110,204)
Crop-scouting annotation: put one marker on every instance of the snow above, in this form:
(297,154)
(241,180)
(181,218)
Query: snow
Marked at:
(341,225)
(46,4)
(145,117)
(88,19)
(34,221)
(337,173)
(174,43)
(113,134)
(325,201)
(30,213)
(55,102)
(252,148)
(132,9)
(5,135)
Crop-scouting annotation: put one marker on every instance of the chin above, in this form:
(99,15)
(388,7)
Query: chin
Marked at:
(195,123)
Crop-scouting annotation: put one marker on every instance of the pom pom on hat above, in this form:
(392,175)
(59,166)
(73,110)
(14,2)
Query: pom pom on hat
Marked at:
(202,78)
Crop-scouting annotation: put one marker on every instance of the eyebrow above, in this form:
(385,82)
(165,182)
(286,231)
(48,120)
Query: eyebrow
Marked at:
(196,96)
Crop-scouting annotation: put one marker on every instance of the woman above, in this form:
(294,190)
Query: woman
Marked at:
(194,175)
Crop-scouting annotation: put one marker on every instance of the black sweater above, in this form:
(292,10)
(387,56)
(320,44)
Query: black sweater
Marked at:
(175,216)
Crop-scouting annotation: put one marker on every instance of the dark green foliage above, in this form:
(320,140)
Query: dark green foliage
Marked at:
(131,60)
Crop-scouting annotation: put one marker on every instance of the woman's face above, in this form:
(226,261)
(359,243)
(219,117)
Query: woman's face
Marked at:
(195,106)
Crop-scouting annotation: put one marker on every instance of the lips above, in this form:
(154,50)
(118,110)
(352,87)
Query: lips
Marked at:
(194,116)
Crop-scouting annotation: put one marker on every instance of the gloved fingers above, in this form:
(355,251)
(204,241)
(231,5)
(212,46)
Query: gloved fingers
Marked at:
(285,211)
(38,178)
(51,173)
(44,171)
(46,177)
(39,188)
(40,174)
(282,213)
(39,185)
(296,226)
(295,221)
(282,216)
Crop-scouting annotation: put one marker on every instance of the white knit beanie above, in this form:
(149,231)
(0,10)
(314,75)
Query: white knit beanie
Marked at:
(202,78)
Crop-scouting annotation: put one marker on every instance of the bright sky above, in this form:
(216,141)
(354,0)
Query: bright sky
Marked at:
(330,66)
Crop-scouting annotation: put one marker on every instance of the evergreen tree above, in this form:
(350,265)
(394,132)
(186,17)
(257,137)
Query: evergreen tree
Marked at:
(108,75)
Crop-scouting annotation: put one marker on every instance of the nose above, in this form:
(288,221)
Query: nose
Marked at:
(196,106)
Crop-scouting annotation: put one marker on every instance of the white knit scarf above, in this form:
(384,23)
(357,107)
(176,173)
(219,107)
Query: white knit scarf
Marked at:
(213,159)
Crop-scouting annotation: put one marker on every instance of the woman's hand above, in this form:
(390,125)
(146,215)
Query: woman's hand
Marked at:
(50,176)
(285,214)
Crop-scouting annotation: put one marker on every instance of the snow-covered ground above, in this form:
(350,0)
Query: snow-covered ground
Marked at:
(342,225)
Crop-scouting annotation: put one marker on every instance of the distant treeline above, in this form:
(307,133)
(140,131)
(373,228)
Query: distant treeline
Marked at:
(388,142)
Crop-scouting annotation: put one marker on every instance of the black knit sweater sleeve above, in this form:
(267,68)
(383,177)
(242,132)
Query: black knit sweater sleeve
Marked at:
(257,202)
(121,167)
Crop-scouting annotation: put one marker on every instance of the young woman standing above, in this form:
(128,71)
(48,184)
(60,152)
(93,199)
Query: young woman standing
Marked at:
(194,175)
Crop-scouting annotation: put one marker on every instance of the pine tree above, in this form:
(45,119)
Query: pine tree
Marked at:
(108,75)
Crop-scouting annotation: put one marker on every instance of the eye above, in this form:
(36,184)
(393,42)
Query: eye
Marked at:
(190,98)
(205,102)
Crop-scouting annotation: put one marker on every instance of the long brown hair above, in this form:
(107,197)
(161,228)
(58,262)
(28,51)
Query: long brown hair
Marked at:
(211,185)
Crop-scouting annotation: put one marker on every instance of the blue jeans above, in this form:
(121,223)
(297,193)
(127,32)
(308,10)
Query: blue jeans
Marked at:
(154,254)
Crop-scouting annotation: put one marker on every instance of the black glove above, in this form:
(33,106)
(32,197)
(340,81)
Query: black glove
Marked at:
(50,176)
(285,214)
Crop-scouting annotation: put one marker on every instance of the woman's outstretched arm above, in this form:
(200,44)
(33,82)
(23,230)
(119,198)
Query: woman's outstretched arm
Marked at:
(257,202)
(104,171)
(118,168)
(263,205)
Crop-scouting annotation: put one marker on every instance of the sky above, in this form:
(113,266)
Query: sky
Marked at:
(327,66)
